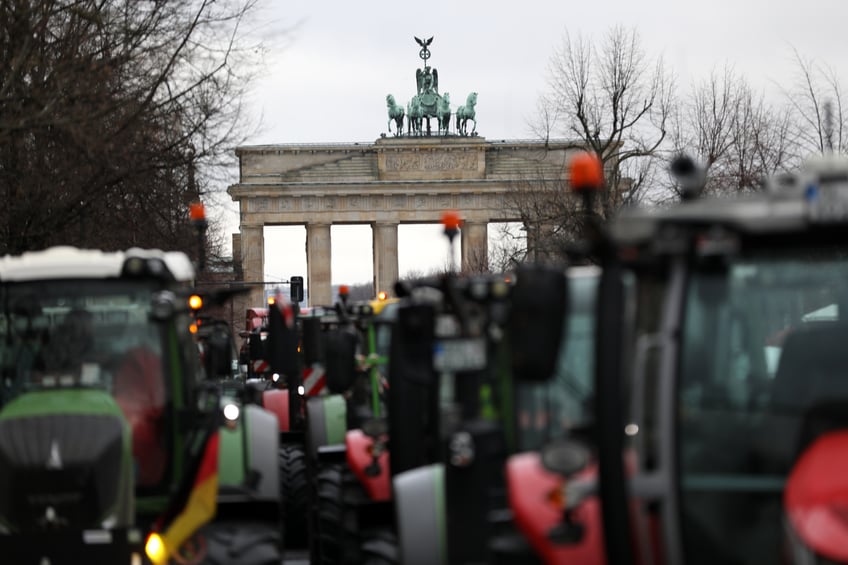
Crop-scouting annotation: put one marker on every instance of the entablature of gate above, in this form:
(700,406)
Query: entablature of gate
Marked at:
(410,205)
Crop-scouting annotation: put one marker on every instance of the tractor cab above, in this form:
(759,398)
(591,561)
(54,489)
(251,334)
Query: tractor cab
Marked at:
(721,376)
(103,410)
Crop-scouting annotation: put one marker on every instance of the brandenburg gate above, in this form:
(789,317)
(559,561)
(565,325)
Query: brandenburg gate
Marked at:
(395,180)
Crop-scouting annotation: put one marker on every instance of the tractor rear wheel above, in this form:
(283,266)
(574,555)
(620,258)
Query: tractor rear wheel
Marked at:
(327,515)
(339,496)
(294,489)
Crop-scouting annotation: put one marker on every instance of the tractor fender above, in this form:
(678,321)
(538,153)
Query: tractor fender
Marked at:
(536,512)
(327,417)
(814,489)
(247,456)
(276,401)
(421,521)
(359,458)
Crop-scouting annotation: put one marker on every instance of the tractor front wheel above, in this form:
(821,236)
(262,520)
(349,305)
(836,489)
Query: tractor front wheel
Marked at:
(294,489)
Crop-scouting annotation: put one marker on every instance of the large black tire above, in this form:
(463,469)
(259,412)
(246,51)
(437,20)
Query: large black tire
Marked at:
(353,497)
(294,490)
(327,516)
(380,547)
(245,543)
(338,495)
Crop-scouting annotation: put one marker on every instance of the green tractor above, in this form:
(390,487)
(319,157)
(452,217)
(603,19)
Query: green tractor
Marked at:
(110,432)
(353,345)
(304,365)
(473,353)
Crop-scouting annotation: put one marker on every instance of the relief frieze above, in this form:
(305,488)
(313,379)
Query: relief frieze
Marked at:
(261,204)
(431,161)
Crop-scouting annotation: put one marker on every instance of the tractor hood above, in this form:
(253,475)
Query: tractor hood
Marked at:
(64,461)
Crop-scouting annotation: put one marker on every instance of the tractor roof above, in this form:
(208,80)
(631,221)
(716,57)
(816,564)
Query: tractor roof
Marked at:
(814,197)
(65,262)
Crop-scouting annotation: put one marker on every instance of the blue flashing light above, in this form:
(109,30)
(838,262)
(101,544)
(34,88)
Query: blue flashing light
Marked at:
(811,193)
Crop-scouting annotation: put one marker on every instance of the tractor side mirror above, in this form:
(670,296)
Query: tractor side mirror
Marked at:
(313,344)
(340,367)
(411,350)
(220,353)
(536,321)
(255,346)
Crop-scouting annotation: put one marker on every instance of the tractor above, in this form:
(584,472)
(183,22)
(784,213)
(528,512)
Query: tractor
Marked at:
(110,433)
(720,390)
(494,418)
(353,345)
(297,357)
(424,483)
(551,409)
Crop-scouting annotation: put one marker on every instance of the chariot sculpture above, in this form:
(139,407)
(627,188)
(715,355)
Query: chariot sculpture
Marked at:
(428,103)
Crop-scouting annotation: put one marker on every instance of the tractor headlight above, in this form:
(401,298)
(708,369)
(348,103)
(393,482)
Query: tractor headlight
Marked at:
(155,549)
(232,412)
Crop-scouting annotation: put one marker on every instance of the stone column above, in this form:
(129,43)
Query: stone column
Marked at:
(385,237)
(475,247)
(253,262)
(318,271)
(531,231)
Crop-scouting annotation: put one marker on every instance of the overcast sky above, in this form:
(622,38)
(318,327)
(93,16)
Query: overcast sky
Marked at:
(334,62)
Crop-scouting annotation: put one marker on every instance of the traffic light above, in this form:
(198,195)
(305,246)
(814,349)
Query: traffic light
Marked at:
(296,290)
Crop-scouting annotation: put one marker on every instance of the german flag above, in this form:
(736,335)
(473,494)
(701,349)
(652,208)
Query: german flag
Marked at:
(198,510)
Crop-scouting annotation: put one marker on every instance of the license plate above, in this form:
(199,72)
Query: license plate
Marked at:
(453,355)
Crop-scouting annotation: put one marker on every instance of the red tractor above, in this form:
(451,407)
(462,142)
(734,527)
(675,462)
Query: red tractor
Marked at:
(720,393)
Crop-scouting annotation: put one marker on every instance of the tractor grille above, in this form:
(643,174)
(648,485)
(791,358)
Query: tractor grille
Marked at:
(70,463)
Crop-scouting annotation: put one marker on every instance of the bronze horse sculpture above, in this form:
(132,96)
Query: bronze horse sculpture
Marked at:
(413,117)
(465,113)
(395,114)
(444,114)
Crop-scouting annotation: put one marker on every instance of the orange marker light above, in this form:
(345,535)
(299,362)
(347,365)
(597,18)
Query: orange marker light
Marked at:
(196,211)
(382,295)
(586,172)
(193,328)
(271,300)
(451,220)
(557,497)
(195,302)
(344,290)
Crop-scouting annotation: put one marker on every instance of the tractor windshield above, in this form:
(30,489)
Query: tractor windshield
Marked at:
(763,370)
(83,333)
(563,404)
